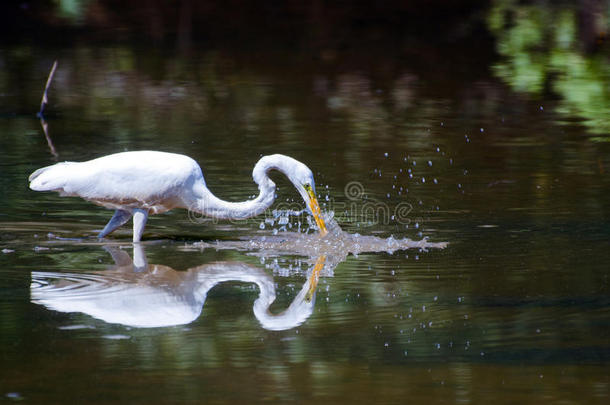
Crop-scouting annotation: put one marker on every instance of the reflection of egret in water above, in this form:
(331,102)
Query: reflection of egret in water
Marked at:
(141,295)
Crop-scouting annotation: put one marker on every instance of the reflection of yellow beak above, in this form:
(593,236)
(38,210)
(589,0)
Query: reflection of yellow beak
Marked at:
(313,279)
(315,210)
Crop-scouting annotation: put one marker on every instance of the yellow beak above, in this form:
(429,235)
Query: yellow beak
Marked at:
(315,210)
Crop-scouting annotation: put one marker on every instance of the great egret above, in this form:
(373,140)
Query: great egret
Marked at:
(146,182)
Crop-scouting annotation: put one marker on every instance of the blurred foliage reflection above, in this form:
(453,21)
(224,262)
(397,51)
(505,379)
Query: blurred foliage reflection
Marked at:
(560,47)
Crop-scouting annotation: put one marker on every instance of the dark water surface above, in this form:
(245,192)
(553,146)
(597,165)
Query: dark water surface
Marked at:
(516,309)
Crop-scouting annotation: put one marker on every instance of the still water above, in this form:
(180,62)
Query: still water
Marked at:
(481,272)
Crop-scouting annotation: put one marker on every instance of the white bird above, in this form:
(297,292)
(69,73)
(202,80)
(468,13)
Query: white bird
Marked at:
(147,182)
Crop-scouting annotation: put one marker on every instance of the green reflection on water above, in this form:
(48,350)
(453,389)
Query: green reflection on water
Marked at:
(544,49)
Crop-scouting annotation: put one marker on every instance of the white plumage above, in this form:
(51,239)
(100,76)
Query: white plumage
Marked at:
(148,182)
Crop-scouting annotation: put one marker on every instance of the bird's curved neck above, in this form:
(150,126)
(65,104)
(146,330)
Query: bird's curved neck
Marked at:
(210,205)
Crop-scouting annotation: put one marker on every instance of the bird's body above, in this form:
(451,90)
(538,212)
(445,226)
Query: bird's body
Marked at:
(142,182)
(124,180)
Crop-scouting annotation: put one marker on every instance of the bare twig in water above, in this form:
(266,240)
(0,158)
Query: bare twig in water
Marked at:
(45,100)
(43,104)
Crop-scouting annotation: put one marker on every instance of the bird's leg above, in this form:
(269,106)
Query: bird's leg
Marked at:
(139,222)
(118,219)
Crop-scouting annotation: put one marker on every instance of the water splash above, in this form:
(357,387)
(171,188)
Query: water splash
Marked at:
(337,244)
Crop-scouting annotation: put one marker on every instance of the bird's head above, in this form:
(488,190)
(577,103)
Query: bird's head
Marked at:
(303,180)
(308,192)
(300,175)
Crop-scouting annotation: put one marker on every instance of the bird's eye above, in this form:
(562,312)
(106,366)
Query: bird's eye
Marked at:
(307,187)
